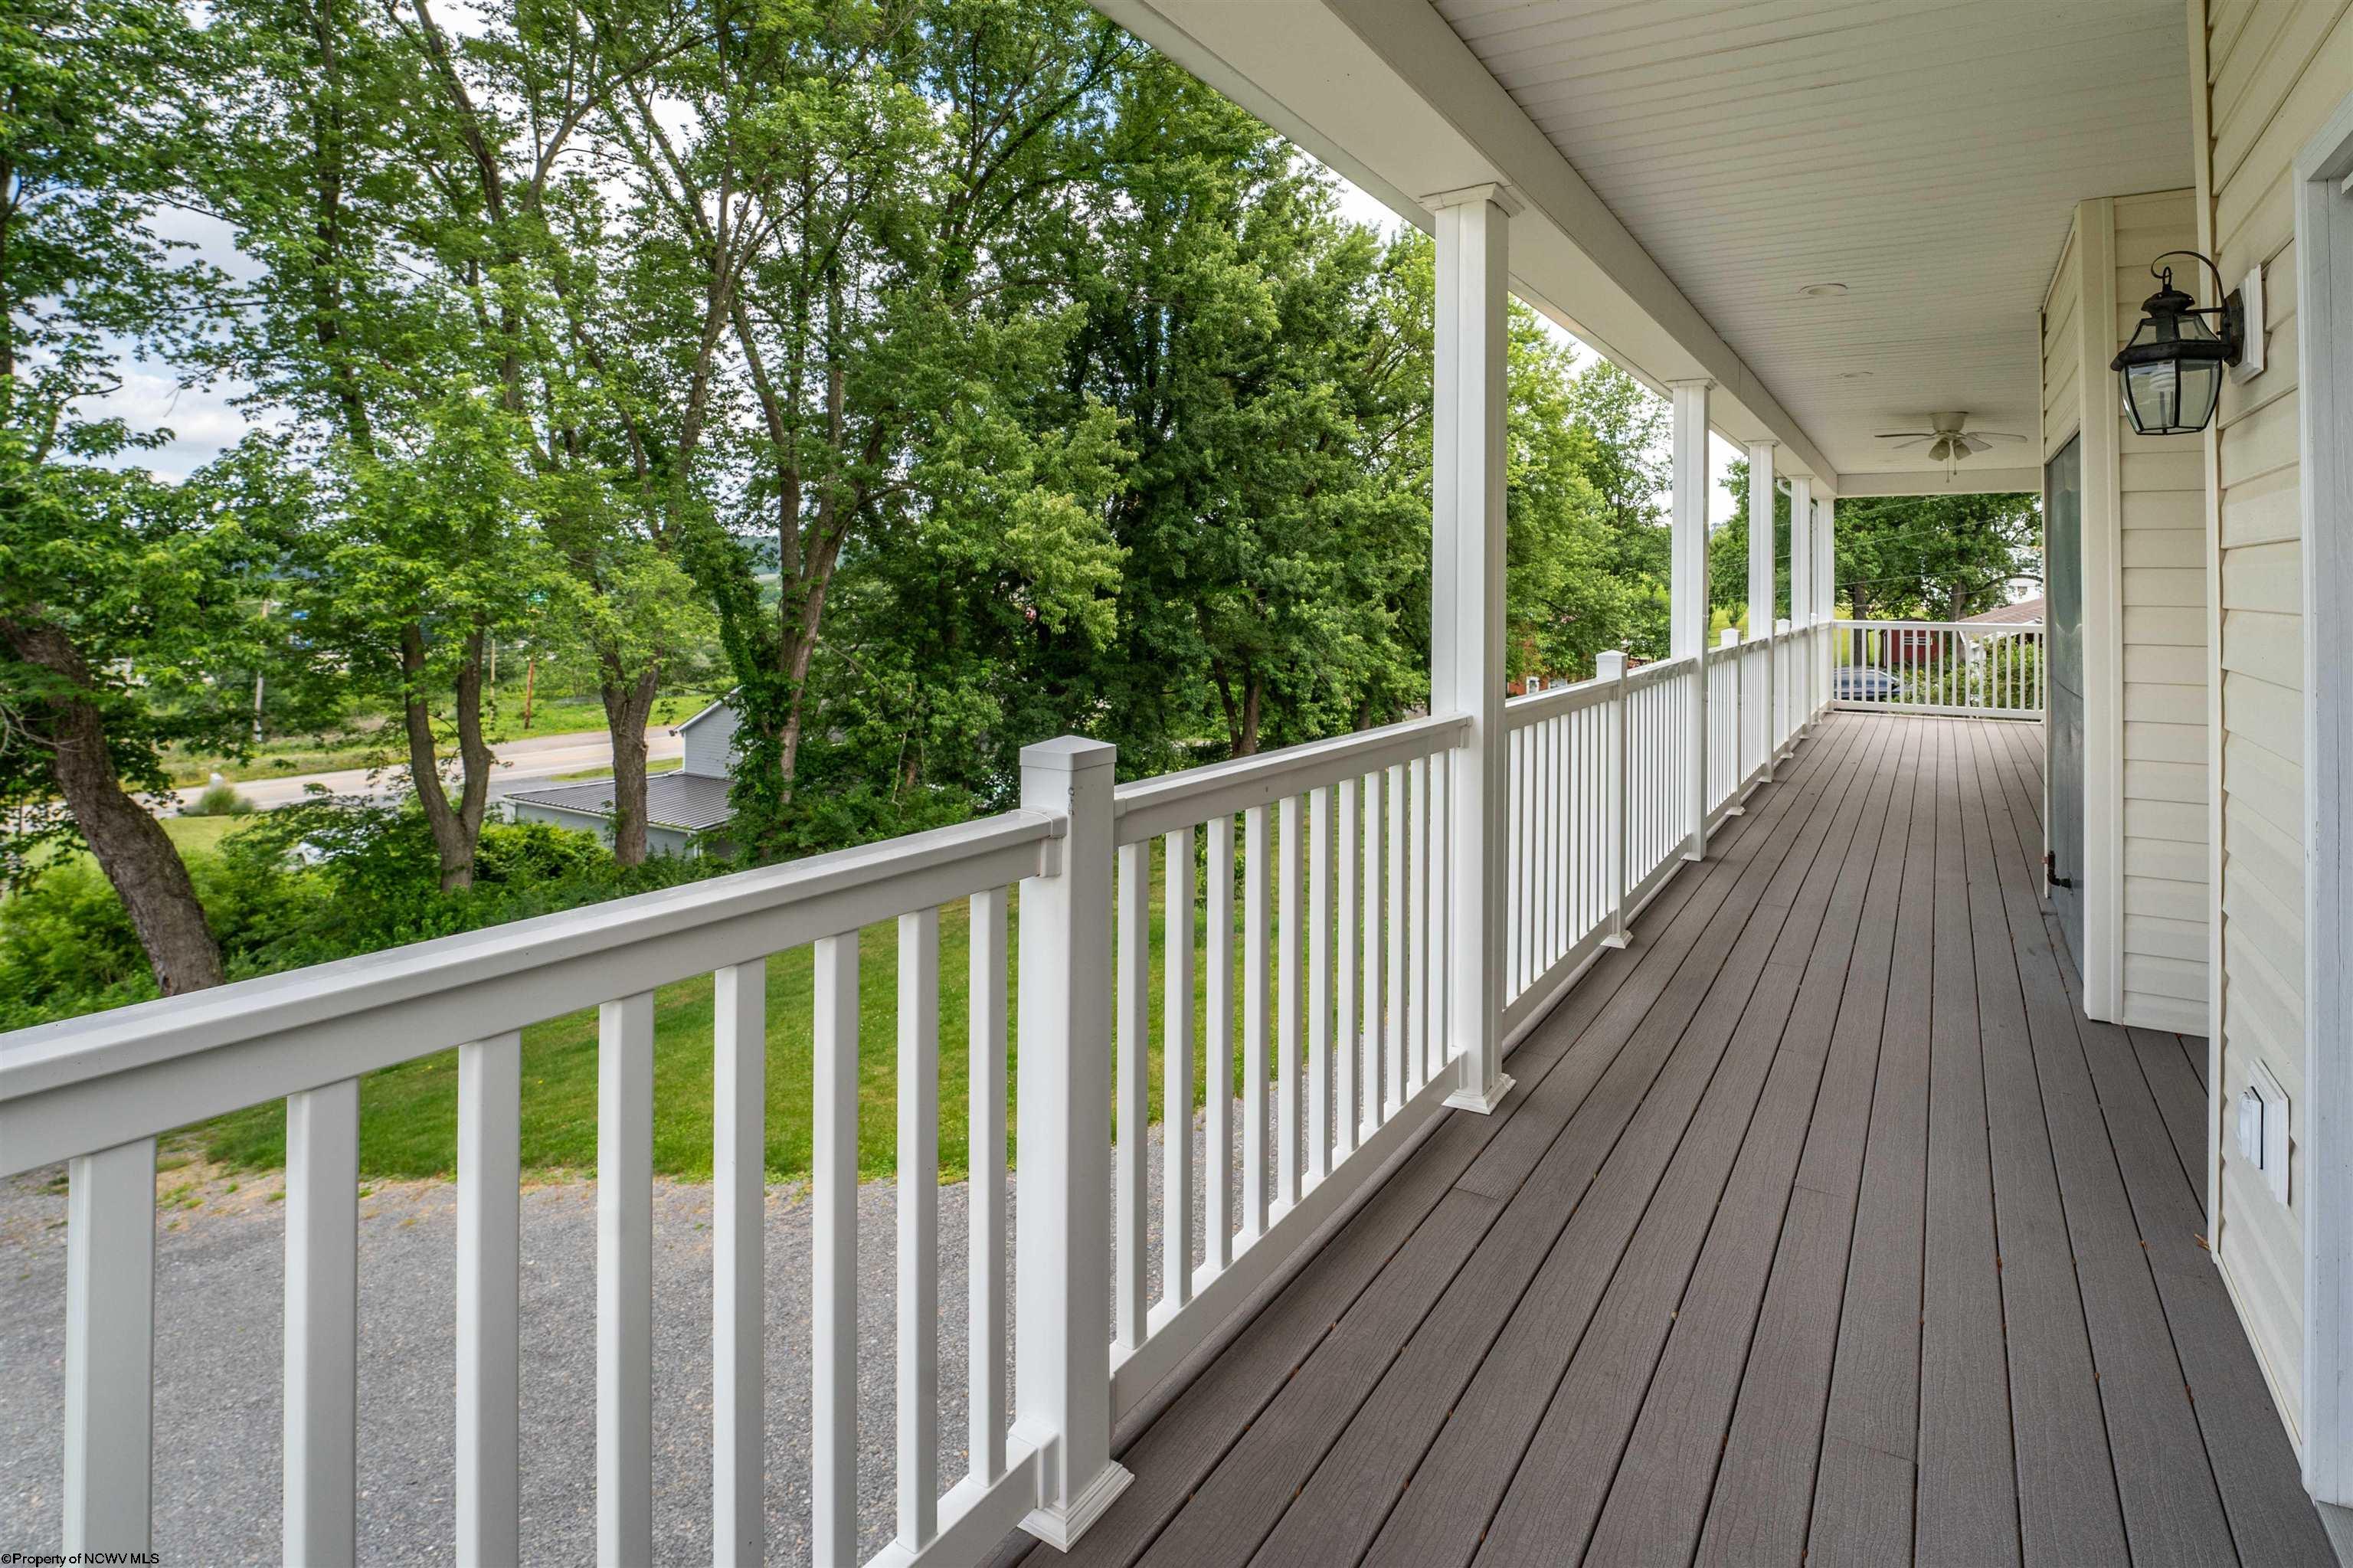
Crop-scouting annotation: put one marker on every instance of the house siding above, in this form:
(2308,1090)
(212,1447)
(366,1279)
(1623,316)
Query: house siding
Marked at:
(710,744)
(2273,70)
(2162,541)
(2146,959)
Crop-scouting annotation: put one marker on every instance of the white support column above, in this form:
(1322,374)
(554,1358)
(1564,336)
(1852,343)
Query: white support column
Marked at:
(1801,603)
(1826,598)
(1761,596)
(1062,1389)
(1466,613)
(1687,609)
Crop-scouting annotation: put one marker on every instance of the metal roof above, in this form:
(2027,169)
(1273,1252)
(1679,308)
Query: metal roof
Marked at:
(692,802)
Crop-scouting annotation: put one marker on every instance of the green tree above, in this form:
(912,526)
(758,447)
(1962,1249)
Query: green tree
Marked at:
(116,594)
(848,206)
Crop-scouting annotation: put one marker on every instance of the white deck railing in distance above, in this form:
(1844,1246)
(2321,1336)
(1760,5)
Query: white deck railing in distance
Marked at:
(1977,669)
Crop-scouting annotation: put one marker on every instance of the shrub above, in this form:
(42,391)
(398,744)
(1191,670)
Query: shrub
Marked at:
(220,800)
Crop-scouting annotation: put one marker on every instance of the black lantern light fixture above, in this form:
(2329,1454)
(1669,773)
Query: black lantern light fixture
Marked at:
(2172,368)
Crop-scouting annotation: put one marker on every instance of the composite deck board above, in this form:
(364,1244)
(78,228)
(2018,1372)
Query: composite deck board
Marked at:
(2169,1505)
(2180,1097)
(2068,1507)
(1760,1492)
(1819,1198)
(1631,1121)
(1457,1489)
(1175,1452)
(1751,1123)
(1584,1037)
(2251,1464)
(1874,1414)
(1659,1500)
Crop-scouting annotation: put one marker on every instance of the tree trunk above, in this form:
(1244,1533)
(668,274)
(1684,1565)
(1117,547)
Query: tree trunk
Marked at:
(456,828)
(131,847)
(627,705)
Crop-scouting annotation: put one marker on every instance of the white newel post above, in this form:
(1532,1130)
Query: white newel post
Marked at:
(1801,603)
(1061,1386)
(1687,609)
(1466,614)
(1826,600)
(1760,589)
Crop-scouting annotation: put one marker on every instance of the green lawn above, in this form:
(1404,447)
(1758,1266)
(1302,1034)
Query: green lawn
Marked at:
(408,1114)
(667,765)
(378,743)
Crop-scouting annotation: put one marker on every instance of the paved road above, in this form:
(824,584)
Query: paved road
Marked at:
(219,1311)
(521,763)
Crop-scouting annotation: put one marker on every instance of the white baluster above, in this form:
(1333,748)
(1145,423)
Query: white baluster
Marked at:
(919,1227)
(1349,944)
(1176,1073)
(739,1180)
(1289,1036)
(1257,939)
(1128,1213)
(110,1415)
(1319,986)
(1218,1045)
(833,1253)
(624,1275)
(985,1145)
(489,1254)
(322,1280)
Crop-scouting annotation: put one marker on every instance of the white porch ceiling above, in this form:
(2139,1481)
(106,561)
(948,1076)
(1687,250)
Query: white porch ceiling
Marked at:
(1690,164)
(1925,154)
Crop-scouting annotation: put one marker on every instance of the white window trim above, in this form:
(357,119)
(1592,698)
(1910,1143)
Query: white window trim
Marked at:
(2324,328)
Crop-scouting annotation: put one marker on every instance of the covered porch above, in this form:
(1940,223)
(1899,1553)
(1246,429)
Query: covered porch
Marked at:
(1820,1226)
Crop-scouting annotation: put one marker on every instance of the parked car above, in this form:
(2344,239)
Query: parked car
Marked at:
(1863,683)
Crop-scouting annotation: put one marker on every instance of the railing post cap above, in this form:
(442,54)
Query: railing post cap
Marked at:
(1068,754)
(1728,637)
(1611,661)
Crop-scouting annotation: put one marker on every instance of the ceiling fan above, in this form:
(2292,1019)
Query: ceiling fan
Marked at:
(1945,440)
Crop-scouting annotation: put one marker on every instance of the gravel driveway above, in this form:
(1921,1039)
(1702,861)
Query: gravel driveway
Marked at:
(220,1310)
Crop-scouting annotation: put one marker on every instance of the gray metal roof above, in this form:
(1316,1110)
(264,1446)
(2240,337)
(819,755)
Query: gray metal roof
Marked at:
(690,801)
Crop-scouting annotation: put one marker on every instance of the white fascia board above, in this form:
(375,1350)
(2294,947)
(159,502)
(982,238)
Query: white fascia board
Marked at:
(1963,481)
(1384,92)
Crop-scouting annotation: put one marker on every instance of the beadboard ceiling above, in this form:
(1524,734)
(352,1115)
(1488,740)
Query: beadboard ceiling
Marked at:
(1926,154)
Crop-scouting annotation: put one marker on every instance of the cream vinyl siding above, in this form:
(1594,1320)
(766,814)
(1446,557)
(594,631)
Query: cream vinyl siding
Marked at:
(2161,545)
(2274,70)
(2146,931)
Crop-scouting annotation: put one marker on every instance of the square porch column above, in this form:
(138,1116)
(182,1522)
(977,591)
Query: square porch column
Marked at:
(1466,616)
(1761,594)
(1826,598)
(1687,606)
(1801,599)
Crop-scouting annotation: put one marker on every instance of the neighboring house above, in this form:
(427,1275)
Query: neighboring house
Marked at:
(2025,612)
(683,808)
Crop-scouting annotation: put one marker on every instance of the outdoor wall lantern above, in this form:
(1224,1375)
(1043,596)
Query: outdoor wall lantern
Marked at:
(2172,368)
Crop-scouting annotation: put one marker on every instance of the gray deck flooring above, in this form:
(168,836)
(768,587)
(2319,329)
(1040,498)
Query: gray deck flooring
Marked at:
(1820,1227)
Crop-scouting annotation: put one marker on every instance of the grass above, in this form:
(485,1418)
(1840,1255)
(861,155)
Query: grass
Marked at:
(667,765)
(408,1114)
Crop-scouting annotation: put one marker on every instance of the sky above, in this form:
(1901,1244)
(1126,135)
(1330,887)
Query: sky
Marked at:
(206,421)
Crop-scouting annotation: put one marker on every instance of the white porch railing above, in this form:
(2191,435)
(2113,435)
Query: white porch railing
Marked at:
(1346,968)
(1599,816)
(1982,669)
